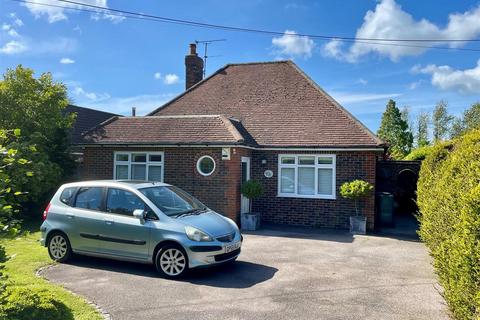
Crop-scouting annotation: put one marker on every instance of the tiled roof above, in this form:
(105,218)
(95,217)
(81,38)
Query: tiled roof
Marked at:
(277,104)
(86,119)
(191,129)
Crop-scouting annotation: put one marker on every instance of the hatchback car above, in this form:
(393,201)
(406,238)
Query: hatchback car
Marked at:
(139,221)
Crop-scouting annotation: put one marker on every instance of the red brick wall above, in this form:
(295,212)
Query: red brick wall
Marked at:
(315,212)
(220,191)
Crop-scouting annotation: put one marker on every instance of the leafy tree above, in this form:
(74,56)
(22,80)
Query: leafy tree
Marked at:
(441,121)
(457,128)
(471,117)
(421,134)
(36,106)
(394,130)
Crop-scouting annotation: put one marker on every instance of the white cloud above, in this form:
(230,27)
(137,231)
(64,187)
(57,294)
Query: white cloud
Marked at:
(13,47)
(448,78)
(414,85)
(157,75)
(66,61)
(17,21)
(9,30)
(171,78)
(390,21)
(87,96)
(353,98)
(362,81)
(123,105)
(55,14)
(292,45)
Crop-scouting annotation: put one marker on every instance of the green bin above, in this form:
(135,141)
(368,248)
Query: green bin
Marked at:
(385,208)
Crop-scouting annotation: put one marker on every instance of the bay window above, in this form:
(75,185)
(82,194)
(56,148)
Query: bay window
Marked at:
(146,166)
(306,176)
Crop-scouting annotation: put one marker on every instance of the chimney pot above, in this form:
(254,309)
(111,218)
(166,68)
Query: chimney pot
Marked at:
(134,111)
(193,49)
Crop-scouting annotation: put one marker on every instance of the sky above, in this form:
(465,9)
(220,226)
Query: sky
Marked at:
(113,63)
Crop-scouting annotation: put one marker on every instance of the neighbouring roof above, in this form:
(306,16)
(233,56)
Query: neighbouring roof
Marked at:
(277,104)
(175,130)
(86,119)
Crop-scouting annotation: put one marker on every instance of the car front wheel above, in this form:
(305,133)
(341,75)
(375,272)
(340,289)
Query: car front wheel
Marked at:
(171,261)
(59,247)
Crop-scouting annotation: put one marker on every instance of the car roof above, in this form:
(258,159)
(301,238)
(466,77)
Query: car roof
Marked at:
(135,184)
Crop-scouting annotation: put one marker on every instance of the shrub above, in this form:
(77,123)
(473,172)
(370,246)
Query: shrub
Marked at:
(355,190)
(422,152)
(22,303)
(252,189)
(449,203)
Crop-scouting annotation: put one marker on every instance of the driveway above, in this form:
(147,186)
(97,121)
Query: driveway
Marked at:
(312,274)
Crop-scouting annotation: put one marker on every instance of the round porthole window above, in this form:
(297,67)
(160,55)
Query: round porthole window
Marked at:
(205,165)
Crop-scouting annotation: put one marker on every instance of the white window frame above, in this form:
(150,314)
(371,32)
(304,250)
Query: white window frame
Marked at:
(317,166)
(198,165)
(129,163)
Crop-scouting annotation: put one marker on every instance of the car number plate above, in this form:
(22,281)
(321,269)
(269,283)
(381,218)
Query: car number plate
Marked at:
(232,247)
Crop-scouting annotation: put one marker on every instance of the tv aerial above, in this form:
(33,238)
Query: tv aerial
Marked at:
(205,47)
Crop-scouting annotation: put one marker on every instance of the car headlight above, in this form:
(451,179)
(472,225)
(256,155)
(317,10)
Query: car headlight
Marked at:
(197,235)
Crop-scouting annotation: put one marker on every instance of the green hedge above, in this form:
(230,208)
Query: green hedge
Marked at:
(449,203)
(23,303)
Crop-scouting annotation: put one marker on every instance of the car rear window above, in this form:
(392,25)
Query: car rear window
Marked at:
(89,198)
(67,194)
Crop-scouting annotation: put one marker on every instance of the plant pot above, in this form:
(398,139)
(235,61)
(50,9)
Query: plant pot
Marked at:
(250,221)
(358,225)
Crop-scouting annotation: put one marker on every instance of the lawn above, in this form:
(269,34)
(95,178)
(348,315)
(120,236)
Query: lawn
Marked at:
(26,257)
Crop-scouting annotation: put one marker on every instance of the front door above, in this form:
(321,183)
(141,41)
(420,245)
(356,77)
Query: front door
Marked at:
(245,205)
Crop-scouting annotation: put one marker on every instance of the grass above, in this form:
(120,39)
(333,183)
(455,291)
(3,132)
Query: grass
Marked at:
(26,257)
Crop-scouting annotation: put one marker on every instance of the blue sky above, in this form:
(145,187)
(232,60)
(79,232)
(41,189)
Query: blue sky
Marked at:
(113,64)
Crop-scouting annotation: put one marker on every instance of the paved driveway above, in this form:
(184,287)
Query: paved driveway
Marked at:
(280,275)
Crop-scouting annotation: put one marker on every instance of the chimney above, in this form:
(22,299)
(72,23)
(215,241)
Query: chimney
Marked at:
(134,111)
(193,67)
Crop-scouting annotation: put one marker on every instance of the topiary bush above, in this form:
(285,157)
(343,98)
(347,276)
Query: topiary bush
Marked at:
(449,204)
(355,190)
(252,189)
(22,303)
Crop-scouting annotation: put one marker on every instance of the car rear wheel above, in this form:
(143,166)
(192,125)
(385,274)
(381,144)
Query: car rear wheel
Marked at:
(59,247)
(171,261)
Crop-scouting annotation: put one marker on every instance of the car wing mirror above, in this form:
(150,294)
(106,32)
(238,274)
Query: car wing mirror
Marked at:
(139,214)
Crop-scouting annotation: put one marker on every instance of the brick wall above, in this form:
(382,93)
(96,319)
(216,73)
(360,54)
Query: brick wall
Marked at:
(219,191)
(315,212)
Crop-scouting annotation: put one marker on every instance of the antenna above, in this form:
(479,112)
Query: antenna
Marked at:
(205,46)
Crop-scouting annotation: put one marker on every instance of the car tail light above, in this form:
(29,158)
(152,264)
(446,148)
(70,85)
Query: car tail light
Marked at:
(45,212)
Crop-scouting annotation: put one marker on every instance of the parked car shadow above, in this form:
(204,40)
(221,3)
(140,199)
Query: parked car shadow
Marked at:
(239,274)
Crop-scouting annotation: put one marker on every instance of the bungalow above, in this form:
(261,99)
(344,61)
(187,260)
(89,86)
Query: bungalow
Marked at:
(266,121)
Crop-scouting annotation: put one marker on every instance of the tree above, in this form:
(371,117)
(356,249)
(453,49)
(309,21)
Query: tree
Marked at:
(394,130)
(252,189)
(36,107)
(441,121)
(471,117)
(421,135)
(355,190)
(457,128)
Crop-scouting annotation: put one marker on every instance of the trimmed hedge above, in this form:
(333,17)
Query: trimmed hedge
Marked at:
(449,203)
(23,303)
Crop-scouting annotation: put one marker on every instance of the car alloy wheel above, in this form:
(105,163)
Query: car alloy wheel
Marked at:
(172,262)
(59,248)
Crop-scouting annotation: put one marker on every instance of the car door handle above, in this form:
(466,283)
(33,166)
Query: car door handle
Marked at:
(107,221)
(70,216)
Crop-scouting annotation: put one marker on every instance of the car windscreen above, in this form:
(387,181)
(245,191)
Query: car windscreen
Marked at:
(172,200)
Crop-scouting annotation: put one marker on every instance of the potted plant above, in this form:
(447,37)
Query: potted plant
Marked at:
(251,189)
(356,190)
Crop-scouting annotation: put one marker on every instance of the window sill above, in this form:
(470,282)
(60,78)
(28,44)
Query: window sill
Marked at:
(304,196)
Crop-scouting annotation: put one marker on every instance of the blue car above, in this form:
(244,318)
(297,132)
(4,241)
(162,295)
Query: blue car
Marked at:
(147,222)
